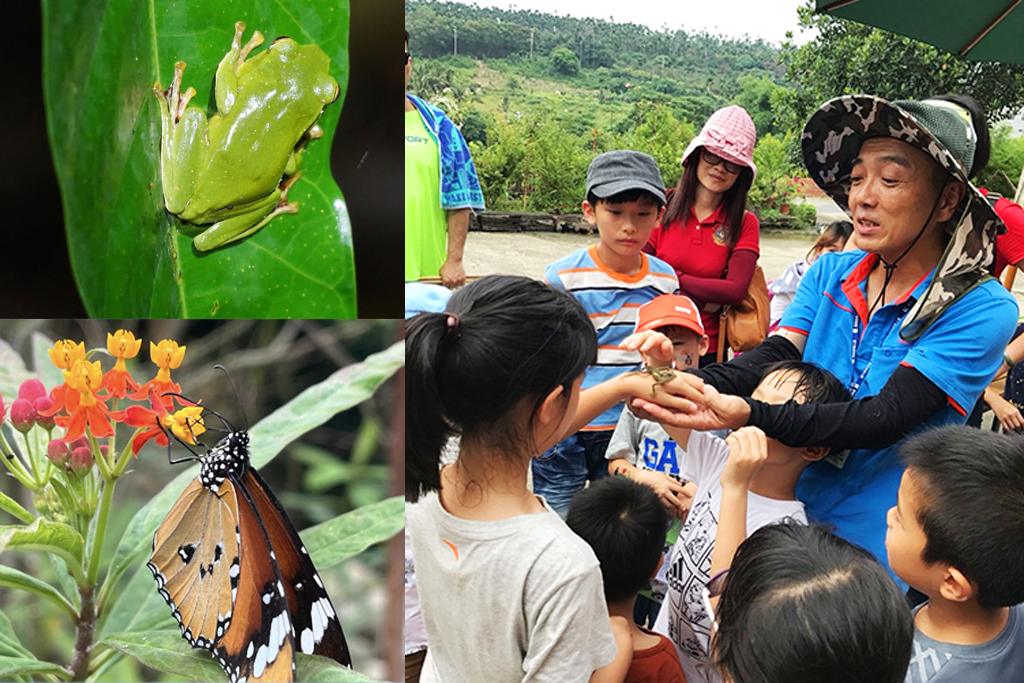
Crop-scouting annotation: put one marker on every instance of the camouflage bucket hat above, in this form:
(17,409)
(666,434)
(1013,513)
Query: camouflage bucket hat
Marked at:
(831,140)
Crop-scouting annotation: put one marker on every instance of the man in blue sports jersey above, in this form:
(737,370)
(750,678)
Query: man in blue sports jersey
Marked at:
(612,279)
(911,322)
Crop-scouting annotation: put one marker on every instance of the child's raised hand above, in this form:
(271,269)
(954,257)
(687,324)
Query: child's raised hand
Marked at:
(655,347)
(748,449)
(676,497)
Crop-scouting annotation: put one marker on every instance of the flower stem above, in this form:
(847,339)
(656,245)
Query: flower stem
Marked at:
(84,637)
(101,530)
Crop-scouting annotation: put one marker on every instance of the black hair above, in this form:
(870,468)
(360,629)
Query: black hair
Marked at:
(972,506)
(814,384)
(836,231)
(685,194)
(406,36)
(625,523)
(983,151)
(631,195)
(802,604)
(510,343)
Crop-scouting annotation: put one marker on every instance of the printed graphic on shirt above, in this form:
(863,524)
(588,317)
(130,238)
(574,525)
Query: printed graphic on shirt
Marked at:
(417,140)
(721,235)
(689,623)
(925,663)
(660,456)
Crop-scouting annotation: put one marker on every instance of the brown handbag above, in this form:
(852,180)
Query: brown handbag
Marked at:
(745,324)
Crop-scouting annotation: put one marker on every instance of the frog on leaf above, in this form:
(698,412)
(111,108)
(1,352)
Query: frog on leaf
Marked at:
(229,170)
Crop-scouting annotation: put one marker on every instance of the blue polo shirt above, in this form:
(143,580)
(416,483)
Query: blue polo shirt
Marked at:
(959,353)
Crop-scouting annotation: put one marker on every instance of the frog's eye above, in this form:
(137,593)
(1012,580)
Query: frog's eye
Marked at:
(278,40)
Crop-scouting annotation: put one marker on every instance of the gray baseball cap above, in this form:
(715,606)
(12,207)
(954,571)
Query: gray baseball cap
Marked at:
(623,169)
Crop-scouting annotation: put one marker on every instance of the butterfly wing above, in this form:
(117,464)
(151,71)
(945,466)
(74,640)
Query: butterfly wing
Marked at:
(316,626)
(259,644)
(195,562)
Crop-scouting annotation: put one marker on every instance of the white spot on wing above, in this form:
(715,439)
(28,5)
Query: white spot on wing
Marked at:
(260,662)
(307,642)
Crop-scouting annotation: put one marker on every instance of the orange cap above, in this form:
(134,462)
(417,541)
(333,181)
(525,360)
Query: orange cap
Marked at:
(669,309)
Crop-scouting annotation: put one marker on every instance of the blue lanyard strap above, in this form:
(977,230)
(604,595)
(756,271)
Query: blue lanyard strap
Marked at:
(855,380)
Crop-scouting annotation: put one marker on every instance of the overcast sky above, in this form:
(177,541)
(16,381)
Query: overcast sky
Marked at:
(767,19)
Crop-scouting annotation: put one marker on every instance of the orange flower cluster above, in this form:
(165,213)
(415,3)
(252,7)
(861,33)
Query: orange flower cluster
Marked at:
(79,403)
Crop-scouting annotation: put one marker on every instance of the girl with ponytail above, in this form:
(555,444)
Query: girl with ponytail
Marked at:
(508,592)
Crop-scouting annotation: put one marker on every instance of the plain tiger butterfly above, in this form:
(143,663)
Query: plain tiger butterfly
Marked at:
(237,577)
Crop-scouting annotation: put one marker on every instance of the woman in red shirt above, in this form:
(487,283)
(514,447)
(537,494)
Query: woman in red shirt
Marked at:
(707,234)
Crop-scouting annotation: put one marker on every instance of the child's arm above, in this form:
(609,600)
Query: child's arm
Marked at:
(619,667)
(600,397)
(674,495)
(748,449)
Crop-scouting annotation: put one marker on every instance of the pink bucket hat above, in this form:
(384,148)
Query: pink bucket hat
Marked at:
(730,134)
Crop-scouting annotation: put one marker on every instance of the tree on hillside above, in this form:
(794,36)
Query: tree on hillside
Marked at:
(564,61)
(848,57)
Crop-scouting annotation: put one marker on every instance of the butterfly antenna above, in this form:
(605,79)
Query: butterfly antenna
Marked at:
(228,426)
(237,396)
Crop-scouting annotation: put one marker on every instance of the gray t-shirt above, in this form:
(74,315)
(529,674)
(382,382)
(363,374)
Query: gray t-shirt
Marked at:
(518,599)
(647,445)
(1000,660)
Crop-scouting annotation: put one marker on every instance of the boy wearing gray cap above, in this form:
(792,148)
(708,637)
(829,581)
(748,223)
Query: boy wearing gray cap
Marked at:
(612,279)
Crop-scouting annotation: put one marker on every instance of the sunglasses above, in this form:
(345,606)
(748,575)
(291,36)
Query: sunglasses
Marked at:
(714,160)
(713,589)
(407,56)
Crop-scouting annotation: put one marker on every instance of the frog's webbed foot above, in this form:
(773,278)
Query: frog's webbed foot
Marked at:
(175,100)
(254,42)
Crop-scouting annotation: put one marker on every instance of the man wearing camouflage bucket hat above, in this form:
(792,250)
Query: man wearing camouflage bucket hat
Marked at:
(915,327)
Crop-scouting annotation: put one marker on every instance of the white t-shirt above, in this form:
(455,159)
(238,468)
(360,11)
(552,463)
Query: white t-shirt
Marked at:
(682,617)
(415,636)
(513,600)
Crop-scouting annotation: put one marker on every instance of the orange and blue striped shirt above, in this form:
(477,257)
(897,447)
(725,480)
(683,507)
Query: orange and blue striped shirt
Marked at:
(611,299)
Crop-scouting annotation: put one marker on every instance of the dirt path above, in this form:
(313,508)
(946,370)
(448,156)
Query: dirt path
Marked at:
(527,253)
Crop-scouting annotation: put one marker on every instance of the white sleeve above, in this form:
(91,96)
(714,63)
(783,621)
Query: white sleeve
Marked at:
(624,439)
(706,456)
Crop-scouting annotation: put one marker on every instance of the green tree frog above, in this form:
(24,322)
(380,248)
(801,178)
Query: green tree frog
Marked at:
(228,170)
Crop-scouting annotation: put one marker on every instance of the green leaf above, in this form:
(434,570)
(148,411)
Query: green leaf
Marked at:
(352,533)
(138,608)
(12,578)
(14,666)
(347,387)
(12,373)
(10,646)
(10,506)
(49,374)
(166,651)
(129,256)
(52,537)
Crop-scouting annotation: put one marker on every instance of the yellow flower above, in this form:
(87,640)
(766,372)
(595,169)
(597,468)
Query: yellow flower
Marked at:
(65,352)
(123,345)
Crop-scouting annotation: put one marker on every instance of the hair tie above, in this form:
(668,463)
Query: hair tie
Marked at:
(453,325)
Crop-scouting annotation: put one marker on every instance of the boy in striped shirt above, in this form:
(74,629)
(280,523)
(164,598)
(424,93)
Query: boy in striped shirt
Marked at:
(612,279)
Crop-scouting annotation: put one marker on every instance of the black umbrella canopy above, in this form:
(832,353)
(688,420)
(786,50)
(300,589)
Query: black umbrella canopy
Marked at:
(983,30)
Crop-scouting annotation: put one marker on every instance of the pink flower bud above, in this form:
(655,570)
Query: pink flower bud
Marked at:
(104,449)
(58,452)
(23,415)
(80,442)
(31,389)
(42,404)
(3,409)
(81,460)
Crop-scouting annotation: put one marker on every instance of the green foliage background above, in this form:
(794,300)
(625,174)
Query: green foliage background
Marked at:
(534,122)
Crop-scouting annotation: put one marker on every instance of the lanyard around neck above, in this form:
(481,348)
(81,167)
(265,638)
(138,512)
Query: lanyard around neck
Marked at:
(855,380)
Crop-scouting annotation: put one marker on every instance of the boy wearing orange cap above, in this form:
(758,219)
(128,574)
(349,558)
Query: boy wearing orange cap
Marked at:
(643,451)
